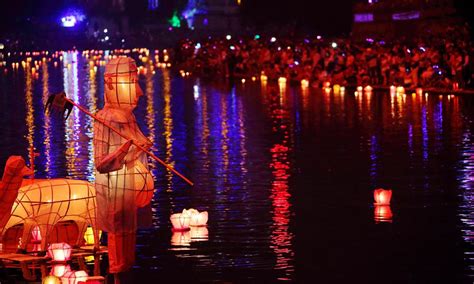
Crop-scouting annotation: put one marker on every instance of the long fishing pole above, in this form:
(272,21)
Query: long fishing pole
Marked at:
(57,101)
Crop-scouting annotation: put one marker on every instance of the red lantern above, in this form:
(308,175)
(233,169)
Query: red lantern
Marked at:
(60,252)
(383,213)
(382,196)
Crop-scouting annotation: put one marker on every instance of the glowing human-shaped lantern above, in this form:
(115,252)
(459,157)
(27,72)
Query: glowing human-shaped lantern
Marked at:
(123,181)
(382,196)
(59,252)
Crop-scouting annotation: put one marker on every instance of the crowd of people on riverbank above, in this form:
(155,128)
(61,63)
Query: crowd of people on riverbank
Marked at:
(440,62)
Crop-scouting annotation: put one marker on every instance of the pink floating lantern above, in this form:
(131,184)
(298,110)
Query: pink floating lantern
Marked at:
(180,221)
(383,213)
(382,196)
(60,252)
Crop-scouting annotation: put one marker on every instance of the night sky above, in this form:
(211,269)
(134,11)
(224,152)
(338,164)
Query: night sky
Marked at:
(329,17)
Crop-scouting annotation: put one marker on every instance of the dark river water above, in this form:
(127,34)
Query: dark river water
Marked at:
(286,173)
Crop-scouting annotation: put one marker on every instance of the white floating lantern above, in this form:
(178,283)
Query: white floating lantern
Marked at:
(180,222)
(197,218)
(368,88)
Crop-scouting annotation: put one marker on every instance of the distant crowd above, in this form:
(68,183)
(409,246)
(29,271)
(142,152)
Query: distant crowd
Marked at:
(440,61)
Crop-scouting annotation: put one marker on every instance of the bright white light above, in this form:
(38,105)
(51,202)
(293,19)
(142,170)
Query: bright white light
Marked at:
(197,46)
(232,47)
(106,30)
(318,37)
(273,39)
(123,40)
(228,37)
(334,45)
(106,38)
(68,21)
(2,46)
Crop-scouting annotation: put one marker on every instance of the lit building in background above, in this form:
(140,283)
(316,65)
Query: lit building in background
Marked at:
(394,18)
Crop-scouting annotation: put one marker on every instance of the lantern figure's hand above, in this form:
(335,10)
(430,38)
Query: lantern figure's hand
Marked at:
(115,160)
(58,103)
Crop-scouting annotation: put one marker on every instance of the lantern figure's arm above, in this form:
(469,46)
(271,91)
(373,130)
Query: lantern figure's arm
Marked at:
(115,160)
(62,96)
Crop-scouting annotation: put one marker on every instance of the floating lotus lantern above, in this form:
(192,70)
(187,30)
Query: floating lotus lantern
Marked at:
(60,252)
(336,88)
(383,213)
(368,89)
(382,196)
(282,80)
(359,89)
(197,218)
(51,279)
(180,222)
(263,78)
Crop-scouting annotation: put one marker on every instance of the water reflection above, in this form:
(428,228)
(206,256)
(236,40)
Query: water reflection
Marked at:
(238,140)
(281,237)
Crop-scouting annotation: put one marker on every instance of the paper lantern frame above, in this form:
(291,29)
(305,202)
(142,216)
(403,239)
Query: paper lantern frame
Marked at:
(40,205)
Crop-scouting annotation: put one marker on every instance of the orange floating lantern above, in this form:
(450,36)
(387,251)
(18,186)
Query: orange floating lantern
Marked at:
(60,252)
(382,196)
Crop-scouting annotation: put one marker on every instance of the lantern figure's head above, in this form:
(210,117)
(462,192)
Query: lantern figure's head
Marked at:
(121,84)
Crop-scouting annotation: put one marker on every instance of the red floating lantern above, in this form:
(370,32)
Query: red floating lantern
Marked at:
(60,252)
(382,196)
